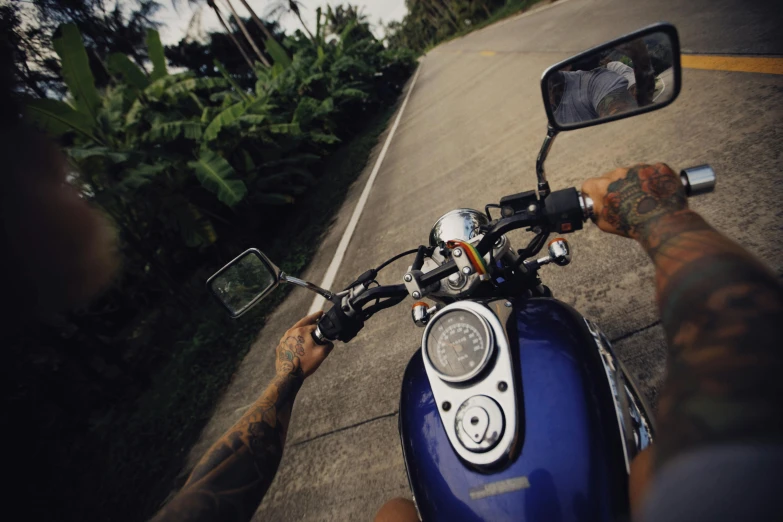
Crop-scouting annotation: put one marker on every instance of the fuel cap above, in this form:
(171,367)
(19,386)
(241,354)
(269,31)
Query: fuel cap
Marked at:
(479,423)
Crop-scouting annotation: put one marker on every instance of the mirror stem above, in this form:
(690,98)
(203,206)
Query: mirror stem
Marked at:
(543,185)
(326,294)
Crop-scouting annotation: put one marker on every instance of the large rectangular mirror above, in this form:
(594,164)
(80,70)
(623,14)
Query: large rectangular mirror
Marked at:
(631,75)
(243,282)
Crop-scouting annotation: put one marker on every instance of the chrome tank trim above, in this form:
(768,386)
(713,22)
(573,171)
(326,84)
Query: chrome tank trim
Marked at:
(456,394)
(635,428)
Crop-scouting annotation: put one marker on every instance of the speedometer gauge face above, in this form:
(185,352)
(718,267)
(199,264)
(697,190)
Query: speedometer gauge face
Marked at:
(458,345)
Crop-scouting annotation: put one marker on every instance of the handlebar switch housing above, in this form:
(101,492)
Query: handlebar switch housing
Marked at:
(515,203)
(564,211)
(336,324)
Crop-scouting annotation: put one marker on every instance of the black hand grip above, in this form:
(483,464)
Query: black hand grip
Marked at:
(336,324)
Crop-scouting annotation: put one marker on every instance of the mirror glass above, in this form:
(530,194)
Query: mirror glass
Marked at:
(613,81)
(243,282)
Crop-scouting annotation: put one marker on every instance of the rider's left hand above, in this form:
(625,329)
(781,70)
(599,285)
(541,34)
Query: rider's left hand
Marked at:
(298,350)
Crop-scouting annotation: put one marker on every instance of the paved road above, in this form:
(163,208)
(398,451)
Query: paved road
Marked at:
(469,135)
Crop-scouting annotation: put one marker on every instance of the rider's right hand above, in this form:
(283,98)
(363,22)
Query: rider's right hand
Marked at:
(629,201)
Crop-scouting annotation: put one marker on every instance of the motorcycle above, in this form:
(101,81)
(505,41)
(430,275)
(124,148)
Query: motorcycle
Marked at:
(515,407)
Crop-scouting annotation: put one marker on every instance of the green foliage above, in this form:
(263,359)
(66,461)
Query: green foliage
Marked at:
(129,72)
(277,53)
(155,51)
(76,70)
(193,168)
(430,22)
(59,118)
(214,172)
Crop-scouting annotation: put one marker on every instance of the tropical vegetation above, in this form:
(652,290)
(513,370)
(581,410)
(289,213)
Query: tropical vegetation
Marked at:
(191,167)
(430,22)
(241,137)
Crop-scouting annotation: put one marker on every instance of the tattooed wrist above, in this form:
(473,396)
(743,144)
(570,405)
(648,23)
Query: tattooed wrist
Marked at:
(656,235)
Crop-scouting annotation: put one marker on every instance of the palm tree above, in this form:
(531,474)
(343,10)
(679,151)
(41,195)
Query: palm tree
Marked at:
(244,30)
(257,20)
(339,17)
(291,6)
(229,32)
(240,23)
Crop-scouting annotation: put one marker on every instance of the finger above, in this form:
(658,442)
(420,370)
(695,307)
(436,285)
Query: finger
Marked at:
(616,174)
(308,333)
(596,189)
(307,320)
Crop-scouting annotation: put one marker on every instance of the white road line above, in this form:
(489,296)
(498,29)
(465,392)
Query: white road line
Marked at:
(331,272)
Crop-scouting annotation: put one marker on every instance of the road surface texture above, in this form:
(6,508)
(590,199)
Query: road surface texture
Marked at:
(469,135)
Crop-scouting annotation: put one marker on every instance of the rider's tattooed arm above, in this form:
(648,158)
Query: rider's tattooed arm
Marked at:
(230,480)
(616,102)
(721,310)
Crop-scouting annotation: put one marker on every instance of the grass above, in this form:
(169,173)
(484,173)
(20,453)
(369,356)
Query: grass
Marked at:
(142,446)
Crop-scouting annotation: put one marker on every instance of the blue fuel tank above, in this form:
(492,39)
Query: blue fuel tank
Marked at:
(569,463)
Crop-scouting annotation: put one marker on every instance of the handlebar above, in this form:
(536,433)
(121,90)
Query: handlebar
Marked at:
(562,211)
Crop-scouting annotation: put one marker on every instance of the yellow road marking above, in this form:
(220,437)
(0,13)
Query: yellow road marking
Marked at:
(752,64)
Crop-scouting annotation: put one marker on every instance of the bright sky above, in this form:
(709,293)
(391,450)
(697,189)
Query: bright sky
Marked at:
(175,22)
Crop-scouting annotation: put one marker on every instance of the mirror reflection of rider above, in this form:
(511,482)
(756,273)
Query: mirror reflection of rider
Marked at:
(579,96)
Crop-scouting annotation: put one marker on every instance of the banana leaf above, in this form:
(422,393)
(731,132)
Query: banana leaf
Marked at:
(277,53)
(58,117)
(141,175)
(76,70)
(82,153)
(214,172)
(172,130)
(322,137)
(155,52)
(195,84)
(120,65)
(229,117)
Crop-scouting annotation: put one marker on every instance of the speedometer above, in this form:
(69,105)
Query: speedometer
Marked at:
(458,345)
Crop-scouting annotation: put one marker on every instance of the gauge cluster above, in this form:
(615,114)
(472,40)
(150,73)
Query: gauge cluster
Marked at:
(467,357)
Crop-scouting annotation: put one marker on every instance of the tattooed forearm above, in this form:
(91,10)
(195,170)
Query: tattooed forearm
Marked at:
(721,310)
(232,478)
(616,102)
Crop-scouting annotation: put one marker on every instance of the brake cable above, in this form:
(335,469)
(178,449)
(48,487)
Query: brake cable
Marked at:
(372,273)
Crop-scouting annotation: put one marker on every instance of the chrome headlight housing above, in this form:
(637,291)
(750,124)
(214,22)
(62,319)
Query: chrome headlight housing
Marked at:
(462,224)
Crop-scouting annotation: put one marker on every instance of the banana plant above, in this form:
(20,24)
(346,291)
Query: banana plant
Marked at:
(146,101)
